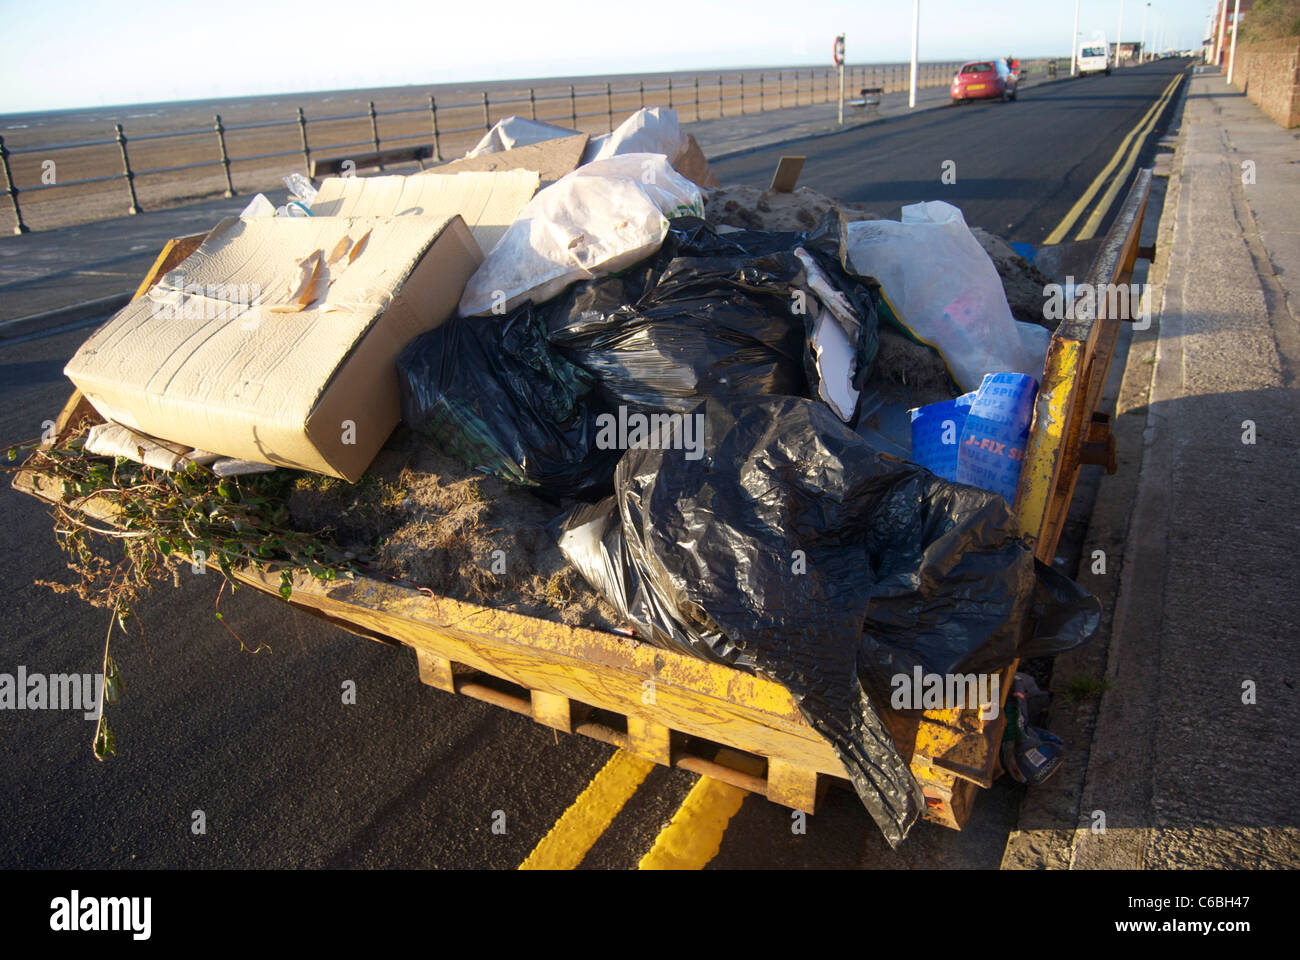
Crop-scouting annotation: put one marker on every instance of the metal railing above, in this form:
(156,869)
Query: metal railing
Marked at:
(742,93)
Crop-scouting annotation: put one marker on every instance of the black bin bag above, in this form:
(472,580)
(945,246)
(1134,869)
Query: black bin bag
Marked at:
(794,549)
(521,396)
(709,315)
(493,393)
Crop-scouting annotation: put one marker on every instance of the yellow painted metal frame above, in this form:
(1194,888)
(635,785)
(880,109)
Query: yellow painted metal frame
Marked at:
(1078,362)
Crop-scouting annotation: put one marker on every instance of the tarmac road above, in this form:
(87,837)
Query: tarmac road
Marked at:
(287,775)
(1019,167)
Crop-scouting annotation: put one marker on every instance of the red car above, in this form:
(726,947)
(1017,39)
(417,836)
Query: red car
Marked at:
(984,80)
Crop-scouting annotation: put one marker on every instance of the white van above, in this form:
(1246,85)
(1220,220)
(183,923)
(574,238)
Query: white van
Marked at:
(1094,57)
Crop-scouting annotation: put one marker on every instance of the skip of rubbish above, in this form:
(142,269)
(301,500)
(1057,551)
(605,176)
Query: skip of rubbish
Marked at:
(759,427)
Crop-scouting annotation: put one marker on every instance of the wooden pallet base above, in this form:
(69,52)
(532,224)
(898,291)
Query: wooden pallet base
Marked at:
(782,782)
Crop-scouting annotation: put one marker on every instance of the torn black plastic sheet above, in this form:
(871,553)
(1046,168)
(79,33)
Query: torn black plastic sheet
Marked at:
(529,397)
(794,549)
(494,393)
(721,315)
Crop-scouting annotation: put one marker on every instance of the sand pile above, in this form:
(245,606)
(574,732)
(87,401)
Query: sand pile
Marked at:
(753,208)
(1022,281)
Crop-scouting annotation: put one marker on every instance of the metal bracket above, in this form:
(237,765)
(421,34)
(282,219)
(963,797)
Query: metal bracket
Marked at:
(1098,447)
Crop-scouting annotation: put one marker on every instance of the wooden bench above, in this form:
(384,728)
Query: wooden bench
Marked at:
(379,159)
(869,99)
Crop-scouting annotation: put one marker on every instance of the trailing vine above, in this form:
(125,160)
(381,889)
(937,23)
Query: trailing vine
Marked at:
(162,521)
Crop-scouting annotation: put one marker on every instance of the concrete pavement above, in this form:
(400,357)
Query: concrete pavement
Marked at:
(1191,765)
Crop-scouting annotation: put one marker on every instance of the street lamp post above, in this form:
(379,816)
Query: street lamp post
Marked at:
(916,46)
(1142,48)
(1074,43)
(1119,36)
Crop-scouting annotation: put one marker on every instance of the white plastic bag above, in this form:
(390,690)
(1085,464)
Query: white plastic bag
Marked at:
(946,291)
(511,132)
(259,206)
(600,218)
(649,130)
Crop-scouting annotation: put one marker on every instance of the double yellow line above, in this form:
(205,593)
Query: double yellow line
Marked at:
(1127,154)
(688,842)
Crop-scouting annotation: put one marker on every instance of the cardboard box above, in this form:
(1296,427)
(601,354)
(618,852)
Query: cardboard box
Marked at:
(487,202)
(228,354)
(694,166)
(550,158)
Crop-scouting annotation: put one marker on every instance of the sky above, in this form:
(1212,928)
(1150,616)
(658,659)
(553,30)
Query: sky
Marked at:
(56,54)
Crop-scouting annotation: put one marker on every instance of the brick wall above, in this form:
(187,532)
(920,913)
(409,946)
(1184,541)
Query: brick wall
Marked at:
(1269,73)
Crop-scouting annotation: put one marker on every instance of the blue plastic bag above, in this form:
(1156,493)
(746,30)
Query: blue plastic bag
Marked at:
(978,438)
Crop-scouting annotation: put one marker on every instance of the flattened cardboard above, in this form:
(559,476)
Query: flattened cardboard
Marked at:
(203,360)
(550,158)
(694,166)
(787,174)
(487,202)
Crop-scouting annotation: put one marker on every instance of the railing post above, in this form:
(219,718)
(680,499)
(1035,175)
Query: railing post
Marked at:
(641,85)
(374,129)
(487,117)
(225,157)
(10,189)
(306,150)
(742,94)
(670,92)
(697,97)
(532,103)
(780,88)
(762,91)
(433,113)
(721,111)
(573,107)
(609,105)
(126,169)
